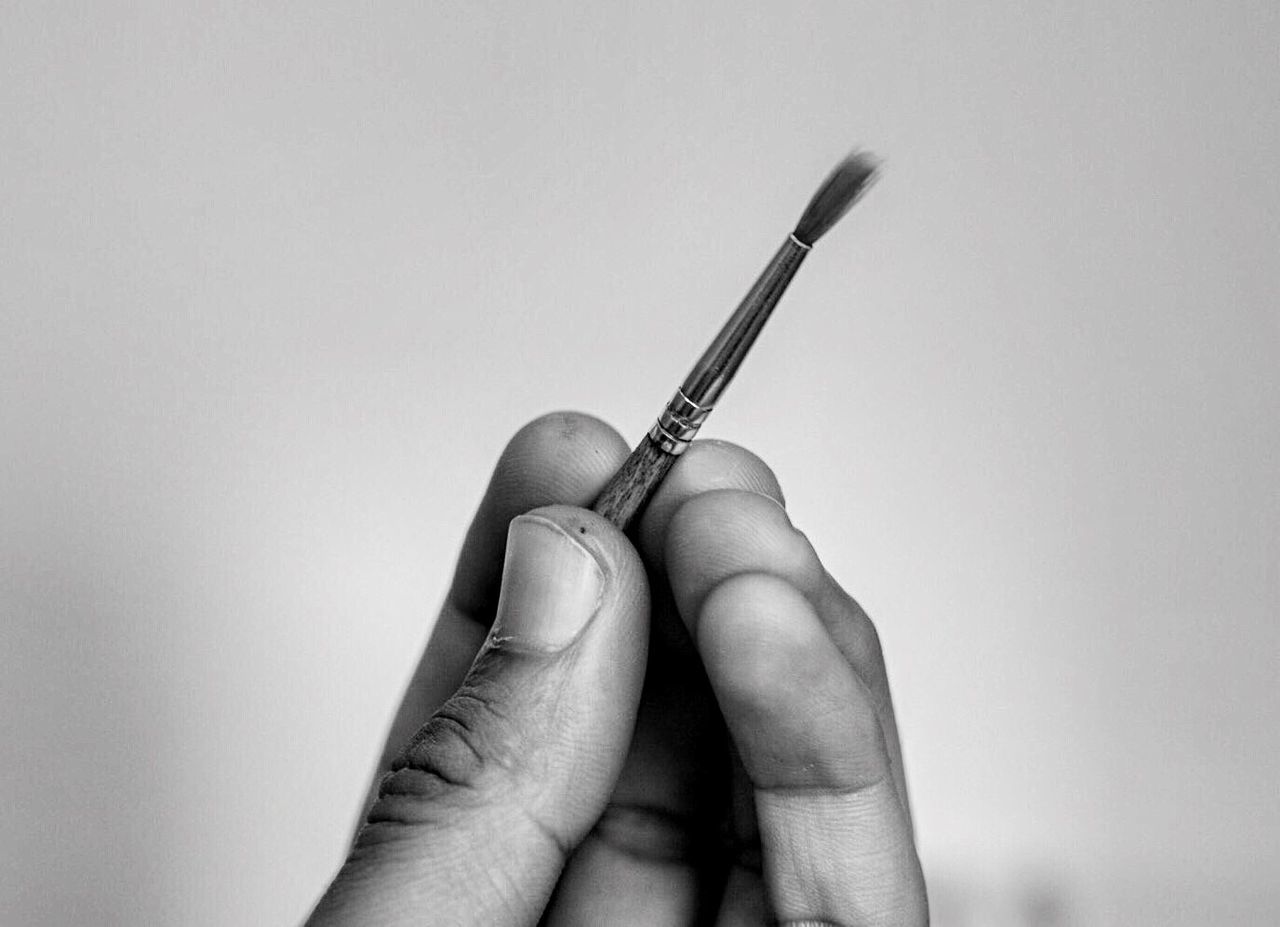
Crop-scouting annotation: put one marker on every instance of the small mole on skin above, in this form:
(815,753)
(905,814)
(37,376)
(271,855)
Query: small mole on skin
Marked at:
(582,530)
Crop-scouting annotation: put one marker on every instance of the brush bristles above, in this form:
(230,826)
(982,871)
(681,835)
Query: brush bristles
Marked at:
(838,192)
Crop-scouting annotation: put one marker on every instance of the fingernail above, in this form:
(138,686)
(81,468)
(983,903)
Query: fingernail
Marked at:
(551,586)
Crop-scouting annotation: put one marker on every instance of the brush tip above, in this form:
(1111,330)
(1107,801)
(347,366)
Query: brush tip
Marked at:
(838,193)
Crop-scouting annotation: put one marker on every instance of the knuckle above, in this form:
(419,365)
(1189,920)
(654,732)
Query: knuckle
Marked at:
(868,651)
(859,639)
(471,763)
(463,757)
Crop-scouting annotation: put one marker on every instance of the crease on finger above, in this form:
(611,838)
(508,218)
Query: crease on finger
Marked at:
(651,833)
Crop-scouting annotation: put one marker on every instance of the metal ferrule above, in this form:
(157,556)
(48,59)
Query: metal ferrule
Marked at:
(678,423)
(698,394)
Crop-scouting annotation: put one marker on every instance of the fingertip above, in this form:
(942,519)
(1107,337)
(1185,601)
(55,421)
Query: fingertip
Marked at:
(720,532)
(714,464)
(706,465)
(797,712)
(560,457)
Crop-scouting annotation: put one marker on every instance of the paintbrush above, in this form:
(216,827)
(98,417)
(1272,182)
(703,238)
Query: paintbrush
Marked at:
(627,492)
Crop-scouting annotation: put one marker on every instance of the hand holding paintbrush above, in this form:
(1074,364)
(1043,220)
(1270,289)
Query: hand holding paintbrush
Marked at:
(575,750)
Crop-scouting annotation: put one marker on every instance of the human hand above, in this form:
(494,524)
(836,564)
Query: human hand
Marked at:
(729,756)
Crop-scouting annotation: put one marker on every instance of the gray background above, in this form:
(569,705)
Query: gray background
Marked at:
(278,285)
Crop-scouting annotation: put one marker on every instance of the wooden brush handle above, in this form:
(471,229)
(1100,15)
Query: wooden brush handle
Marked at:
(625,495)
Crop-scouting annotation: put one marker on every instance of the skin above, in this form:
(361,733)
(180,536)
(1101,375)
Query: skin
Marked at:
(717,746)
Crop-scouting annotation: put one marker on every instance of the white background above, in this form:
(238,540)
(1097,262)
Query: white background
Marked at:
(276,287)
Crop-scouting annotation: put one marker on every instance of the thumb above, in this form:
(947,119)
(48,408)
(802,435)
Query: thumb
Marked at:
(479,813)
